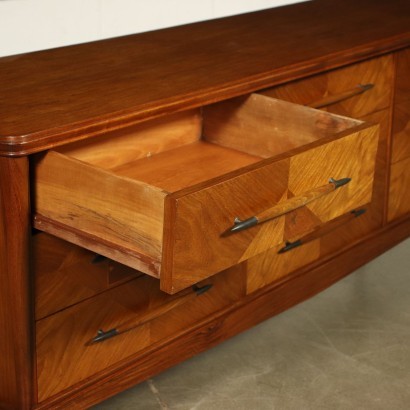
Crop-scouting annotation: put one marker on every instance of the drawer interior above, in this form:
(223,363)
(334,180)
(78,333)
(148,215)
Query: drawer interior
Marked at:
(157,196)
(193,147)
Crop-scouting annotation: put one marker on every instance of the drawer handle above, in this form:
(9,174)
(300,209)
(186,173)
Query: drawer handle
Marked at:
(334,99)
(147,317)
(320,231)
(286,207)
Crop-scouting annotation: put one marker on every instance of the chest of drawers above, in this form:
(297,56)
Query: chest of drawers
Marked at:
(161,192)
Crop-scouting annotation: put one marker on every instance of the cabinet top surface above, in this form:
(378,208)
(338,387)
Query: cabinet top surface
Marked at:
(59,95)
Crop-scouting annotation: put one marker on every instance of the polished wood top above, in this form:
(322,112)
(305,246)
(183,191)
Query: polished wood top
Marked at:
(51,97)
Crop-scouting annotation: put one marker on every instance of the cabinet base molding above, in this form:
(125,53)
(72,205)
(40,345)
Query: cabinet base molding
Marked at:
(240,316)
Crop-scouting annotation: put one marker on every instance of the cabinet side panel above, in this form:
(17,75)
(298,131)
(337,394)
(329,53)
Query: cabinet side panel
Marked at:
(400,156)
(15,312)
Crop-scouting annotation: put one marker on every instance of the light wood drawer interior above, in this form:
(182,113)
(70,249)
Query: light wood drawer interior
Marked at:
(160,197)
(133,317)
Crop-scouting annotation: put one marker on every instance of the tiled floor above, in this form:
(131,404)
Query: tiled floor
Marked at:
(346,348)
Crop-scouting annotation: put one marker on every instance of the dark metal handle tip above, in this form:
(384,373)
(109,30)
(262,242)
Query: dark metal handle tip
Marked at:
(366,87)
(101,335)
(200,290)
(358,212)
(290,245)
(242,225)
(339,182)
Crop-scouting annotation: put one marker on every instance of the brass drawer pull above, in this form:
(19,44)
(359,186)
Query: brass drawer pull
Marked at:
(320,231)
(147,317)
(286,207)
(334,99)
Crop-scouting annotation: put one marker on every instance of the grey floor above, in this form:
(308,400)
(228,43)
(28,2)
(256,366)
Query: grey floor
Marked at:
(346,348)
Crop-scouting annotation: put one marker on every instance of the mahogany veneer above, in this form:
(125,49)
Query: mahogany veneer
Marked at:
(136,154)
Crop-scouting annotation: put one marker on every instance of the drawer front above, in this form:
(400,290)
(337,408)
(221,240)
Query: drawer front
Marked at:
(277,263)
(66,274)
(196,246)
(375,210)
(339,91)
(271,266)
(324,91)
(142,317)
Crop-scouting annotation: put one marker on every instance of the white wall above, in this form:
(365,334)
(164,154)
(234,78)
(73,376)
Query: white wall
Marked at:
(29,25)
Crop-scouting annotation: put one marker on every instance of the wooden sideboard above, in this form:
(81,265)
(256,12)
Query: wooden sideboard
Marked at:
(162,192)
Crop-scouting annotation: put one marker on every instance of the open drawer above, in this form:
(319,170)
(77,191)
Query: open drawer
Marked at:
(162,197)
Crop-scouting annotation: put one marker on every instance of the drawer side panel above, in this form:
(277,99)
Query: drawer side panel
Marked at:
(94,202)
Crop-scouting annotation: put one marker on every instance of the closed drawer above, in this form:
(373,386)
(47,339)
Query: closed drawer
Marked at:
(299,251)
(355,90)
(168,213)
(66,274)
(361,90)
(88,338)
(271,266)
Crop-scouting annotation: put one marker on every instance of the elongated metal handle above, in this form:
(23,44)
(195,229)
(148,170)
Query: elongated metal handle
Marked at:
(286,207)
(320,231)
(334,99)
(136,322)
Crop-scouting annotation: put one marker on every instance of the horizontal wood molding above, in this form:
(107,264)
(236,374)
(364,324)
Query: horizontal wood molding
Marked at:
(80,91)
(251,310)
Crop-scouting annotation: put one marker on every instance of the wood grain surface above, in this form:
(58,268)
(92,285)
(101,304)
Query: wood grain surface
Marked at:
(16,310)
(194,246)
(80,91)
(64,354)
(122,212)
(308,91)
(240,316)
(399,189)
(266,127)
(65,274)
(374,105)
(109,91)
(209,183)
(268,267)
(129,144)
(183,167)
(401,131)
(376,210)
(401,110)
